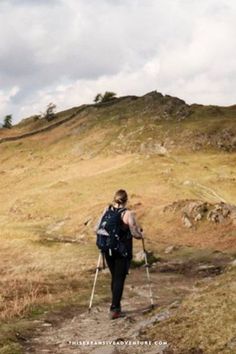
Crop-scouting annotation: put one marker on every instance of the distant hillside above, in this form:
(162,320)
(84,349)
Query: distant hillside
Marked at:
(177,162)
(152,123)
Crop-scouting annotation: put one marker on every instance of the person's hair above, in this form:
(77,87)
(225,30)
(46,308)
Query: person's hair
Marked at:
(120,197)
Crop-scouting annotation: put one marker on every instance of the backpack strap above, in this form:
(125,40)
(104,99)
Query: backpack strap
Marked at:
(123,210)
(120,211)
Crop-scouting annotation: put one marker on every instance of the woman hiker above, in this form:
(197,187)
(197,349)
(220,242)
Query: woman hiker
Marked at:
(118,261)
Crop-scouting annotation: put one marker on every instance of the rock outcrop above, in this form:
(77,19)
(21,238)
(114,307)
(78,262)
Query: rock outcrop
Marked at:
(193,211)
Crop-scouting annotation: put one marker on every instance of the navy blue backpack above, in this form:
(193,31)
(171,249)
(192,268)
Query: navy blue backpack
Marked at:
(109,233)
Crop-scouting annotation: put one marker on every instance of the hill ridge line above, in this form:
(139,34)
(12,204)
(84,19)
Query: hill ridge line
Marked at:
(81,109)
(56,124)
(41,130)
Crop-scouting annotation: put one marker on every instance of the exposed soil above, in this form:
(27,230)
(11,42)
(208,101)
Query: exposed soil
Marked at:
(63,331)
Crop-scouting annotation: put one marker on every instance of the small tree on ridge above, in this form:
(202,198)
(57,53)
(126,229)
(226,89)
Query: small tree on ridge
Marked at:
(98,98)
(7,123)
(50,112)
(107,96)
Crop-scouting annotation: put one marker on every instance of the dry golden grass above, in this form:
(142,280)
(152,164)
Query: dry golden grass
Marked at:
(53,184)
(51,192)
(205,321)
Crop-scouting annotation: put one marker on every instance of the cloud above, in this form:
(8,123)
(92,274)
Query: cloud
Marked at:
(6,97)
(83,91)
(66,51)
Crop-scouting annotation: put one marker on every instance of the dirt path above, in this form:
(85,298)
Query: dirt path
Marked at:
(63,336)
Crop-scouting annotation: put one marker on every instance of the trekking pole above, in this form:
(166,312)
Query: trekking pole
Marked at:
(148,274)
(95,280)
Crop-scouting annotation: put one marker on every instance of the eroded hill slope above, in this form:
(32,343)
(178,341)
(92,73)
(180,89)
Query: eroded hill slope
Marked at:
(55,183)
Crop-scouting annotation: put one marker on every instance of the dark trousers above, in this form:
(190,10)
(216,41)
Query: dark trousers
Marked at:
(119,269)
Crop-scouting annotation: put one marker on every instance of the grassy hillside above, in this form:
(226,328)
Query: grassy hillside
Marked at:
(140,124)
(55,184)
(205,322)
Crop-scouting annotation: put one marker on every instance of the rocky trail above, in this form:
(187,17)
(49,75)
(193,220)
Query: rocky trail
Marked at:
(65,333)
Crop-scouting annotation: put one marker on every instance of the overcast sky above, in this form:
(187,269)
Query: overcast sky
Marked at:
(66,51)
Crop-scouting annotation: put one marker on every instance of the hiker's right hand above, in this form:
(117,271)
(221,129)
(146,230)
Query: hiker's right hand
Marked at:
(139,234)
(141,230)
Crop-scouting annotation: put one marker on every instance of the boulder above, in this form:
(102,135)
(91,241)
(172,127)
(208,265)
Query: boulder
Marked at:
(170,249)
(195,210)
(186,221)
(139,257)
(198,217)
(233,263)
